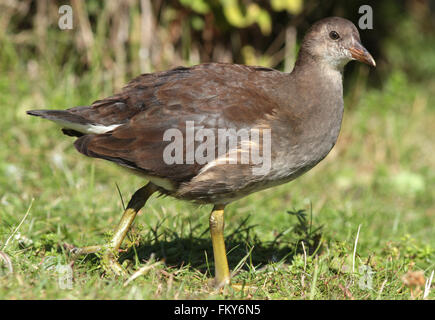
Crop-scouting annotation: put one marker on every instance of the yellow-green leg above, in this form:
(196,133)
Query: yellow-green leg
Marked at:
(222,272)
(109,259)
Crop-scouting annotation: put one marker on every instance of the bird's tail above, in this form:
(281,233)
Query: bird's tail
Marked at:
(72,124)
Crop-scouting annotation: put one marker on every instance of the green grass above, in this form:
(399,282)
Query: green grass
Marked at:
(379,176)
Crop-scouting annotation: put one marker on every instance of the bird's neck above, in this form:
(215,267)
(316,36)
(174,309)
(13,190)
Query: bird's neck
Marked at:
(317,78)
(320,91)
(319,69)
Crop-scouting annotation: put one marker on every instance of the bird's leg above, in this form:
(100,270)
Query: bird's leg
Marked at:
(109,259)
(136,203)
(222,272)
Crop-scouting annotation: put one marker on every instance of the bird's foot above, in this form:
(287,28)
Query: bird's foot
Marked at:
(110,264)
(241,287)
(234,288)
(109,258)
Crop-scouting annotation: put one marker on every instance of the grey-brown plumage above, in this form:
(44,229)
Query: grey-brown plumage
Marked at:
(303,110)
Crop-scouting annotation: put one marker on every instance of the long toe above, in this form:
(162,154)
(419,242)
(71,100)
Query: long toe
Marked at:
(110,264)
(85,250)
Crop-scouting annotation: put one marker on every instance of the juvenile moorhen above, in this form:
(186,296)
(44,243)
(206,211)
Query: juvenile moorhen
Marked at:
(149,128)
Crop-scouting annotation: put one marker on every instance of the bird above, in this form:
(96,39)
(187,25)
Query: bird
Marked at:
(216,132)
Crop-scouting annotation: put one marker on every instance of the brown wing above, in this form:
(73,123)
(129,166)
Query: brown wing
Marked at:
(212,95)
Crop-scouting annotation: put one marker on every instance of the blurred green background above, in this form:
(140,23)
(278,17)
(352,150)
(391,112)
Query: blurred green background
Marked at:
(380,175)
(117,40)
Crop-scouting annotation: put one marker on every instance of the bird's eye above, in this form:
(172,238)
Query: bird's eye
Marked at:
(334,35)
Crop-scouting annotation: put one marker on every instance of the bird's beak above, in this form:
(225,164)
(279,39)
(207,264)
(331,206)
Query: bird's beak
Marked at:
(360,53)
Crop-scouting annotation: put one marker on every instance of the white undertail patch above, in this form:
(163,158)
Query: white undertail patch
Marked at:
(86,128)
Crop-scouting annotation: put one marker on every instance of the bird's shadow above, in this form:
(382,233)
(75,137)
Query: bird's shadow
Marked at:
(242,243)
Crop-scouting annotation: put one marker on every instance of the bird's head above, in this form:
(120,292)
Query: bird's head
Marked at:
(335,41)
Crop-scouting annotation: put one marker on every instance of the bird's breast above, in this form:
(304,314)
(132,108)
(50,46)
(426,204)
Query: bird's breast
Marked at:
(297,149)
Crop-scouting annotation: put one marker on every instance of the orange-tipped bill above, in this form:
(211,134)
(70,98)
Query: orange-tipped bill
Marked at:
(361,54)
